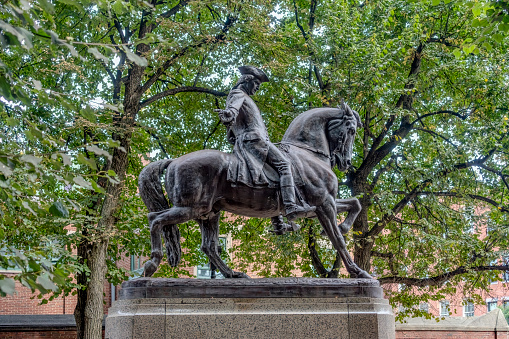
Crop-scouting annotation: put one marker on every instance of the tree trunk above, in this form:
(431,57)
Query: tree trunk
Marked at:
(89,309)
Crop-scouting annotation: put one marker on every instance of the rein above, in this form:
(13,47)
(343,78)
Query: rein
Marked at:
(306,148)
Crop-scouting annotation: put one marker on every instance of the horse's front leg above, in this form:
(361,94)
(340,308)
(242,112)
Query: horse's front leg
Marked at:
(326,214)
(353,207)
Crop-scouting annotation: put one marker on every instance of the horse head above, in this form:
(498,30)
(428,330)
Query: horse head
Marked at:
(341,134)
(329,131)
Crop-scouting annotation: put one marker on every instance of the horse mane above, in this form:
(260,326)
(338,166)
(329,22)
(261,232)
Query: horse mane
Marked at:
(305,126)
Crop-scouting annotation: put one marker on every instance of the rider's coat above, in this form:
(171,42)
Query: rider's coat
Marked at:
(251,142)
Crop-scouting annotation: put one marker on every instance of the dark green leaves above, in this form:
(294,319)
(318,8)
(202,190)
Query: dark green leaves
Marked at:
(59,210)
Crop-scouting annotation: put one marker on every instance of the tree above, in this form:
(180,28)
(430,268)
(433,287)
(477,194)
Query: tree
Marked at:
(115,81)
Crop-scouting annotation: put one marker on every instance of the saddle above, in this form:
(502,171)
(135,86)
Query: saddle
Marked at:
(268,175)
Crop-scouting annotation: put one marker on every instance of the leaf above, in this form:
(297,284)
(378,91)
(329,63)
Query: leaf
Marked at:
(5,169)
(37,84)
(95,52)
(477,9)
(22,35)
(81,182)
(98,151)
(498,38)
(140,61)
(119,7)
(27,206)
(88,113)
(97,188)
(111,173)
(58,210)
(31,159)
(113,108)
(65,158)
(487,46)
(72,3)
(5,88)
(45,281)
(503,27)
(47,6)
(87,162)
(435,2)
(7,285)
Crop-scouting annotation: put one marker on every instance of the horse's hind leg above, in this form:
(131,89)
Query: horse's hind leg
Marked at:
(157,220)
(353,207)
(326,213)
(210,241)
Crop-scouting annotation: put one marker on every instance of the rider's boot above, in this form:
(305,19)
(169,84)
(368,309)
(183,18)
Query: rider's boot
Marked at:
(292,210)
(280,227)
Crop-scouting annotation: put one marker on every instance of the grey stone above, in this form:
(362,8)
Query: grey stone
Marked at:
(493,320)
(302,312)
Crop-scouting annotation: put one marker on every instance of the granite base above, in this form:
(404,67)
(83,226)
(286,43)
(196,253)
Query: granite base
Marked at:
(279,308)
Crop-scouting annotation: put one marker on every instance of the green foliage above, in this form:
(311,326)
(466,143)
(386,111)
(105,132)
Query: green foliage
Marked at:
(427,78)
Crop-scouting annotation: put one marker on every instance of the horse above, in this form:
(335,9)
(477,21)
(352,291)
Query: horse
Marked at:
(196,184)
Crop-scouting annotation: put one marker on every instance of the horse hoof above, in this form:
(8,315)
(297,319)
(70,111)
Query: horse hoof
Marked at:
(344,229)
(149,268)
(361,275)
(240,275)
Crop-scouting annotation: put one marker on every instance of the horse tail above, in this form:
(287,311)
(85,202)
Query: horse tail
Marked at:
(151,192)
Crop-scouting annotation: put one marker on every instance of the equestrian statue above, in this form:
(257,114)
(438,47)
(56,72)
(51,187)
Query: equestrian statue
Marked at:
(258,179)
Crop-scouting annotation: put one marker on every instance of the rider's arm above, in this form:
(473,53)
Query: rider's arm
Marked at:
(233,105)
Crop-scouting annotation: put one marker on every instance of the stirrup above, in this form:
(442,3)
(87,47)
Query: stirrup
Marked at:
(285,228)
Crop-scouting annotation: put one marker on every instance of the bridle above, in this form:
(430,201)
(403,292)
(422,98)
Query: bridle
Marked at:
(314,150)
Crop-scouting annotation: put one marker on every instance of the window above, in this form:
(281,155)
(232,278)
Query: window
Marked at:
(203,270)
(135,263)
(506,273)
(491,305)
(493,280)
(444,308)
(468,309)
(424,307)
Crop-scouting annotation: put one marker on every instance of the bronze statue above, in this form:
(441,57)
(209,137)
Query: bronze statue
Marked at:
(202,184)
(253,149)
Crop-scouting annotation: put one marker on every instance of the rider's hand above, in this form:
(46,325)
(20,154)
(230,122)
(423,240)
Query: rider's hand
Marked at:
(224,115)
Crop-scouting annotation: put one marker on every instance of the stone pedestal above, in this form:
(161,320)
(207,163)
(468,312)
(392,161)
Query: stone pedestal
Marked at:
(250,308)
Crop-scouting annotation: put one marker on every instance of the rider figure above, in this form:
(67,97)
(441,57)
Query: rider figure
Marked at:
(248,133)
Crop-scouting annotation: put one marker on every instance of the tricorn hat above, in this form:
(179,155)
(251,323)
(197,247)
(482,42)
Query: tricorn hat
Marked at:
(256,72)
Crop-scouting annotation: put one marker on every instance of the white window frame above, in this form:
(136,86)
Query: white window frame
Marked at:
(468,309)
(491,303)
(447,307)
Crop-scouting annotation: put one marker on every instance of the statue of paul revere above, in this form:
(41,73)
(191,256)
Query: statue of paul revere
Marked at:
(256,180)
(252,147)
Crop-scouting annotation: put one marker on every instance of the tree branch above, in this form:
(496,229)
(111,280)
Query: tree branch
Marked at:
(211,133)
(230,21)
(174,91)
(440,279)
(455,194)
(159,142)
(388,217)
(461,116)
(315,258)
(436,135)
(298,23)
